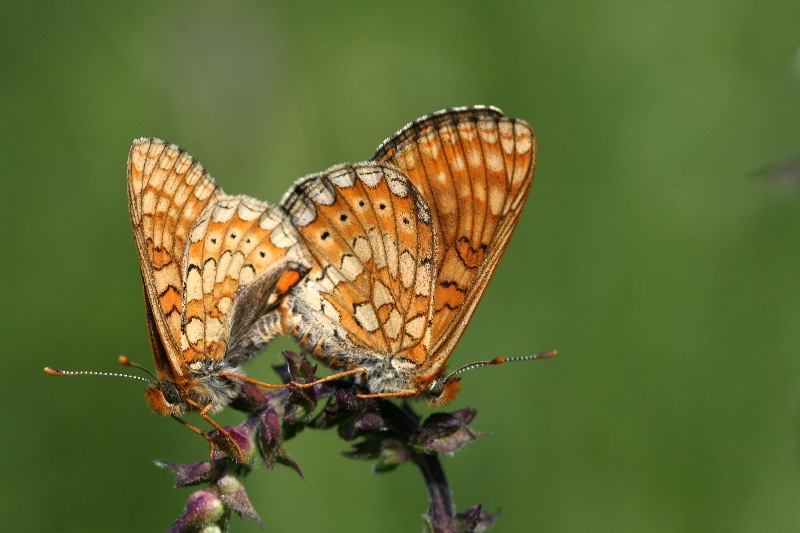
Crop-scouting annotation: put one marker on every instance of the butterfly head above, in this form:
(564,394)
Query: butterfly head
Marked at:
(166,398)
(442,390)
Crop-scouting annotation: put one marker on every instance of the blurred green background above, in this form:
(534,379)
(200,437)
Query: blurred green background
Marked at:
(665,272)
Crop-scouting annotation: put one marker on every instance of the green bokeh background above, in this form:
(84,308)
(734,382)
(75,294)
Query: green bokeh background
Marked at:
(666,274)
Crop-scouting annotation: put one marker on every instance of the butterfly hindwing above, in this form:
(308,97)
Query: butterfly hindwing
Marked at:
(236,241)
(374,250)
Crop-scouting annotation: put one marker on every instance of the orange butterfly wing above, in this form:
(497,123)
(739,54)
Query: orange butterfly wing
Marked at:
(167,192)
(367,295)
(474,166)
(236,241)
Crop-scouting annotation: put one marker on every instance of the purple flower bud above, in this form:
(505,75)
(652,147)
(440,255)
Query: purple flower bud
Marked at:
(204,508)
(233,495)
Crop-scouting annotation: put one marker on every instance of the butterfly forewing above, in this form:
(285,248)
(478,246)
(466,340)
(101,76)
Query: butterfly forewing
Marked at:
(167,192)
(474,166)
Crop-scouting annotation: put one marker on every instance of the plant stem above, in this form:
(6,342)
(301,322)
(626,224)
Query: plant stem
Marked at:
(442,510)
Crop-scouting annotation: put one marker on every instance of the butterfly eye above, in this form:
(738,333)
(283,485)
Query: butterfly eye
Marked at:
(171,393)
(443,391)
(435,389)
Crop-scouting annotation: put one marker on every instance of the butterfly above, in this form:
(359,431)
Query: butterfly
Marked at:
(404,246)
(214,269)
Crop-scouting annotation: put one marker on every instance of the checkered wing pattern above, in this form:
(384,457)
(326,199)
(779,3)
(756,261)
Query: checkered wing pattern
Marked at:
(474,167)
(369,290)
(197,247)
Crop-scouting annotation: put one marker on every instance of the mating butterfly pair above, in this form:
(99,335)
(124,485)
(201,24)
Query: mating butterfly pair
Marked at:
(375,268)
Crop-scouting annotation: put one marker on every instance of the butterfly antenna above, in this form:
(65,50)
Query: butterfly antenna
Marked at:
(122,360)
(498,361)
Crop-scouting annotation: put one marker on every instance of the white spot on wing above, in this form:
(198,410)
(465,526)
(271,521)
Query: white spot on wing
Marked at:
(422,287)
(415,327)
(168,157)
(237,261)
(303,213)
(269,220)
(149,201)
(183,163)
(194,330)
(203,190)
(209,275)
(365,315)
(362,249)
(351,267)
(467,131)
(250,210)
(330,311)
(371,176)
(322,193)
(397,184)
(342,178)
(448,134)
(506,131)
(407,266)
(194,285)
(247,274)
(494,161)
(222,268)
(393,324)
(429,148)
(497,200)
(200,229)
(381,295)
(214,328)
(223,212)
(224,305)
(487,131)
(475,157)
(283,235)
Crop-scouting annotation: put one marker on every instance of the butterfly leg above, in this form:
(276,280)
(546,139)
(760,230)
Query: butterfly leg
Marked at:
(252,381)
(396,394)
(204,415)
(257,383)
(340,375)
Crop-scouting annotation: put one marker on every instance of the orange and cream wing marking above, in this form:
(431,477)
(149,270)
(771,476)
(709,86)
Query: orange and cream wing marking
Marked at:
(367,296)
(200,250)
(474,167)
